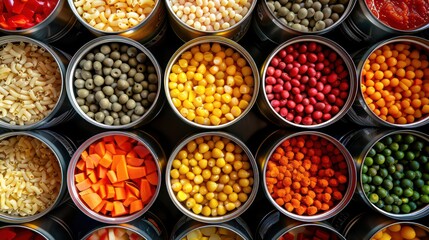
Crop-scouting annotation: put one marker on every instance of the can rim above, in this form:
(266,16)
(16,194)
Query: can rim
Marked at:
(62,69)
(25,219)
(87,48)
(347,195)
(236,212)
(419,212)
(74,195)
(122,226)
(352,78)
(412,40)
(225,42)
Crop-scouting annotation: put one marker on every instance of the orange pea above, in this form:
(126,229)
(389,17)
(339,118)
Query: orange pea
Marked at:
(379,75)
(391,61)
(380,59)
(375,66)
(370,90)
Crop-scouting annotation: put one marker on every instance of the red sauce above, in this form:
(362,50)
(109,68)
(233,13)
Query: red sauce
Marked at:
(400,14)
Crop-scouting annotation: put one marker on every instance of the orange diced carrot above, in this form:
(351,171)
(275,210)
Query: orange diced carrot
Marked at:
(136,206)
(91,149)
(102,191)
(89,163)
(131,154)
(106,160)
(150,166)
(101,171)
(79,177)
(100,148)
(120,194)
(92,200)
(121,170)
(132,189)
(119,184)
(109,206)
(96,186)
(85,184)
(100,206)
(152,178)
(126,146)
(110,191)
(95,159)
(136,172)
(84,155)
(118,209)
(120,152)
(116,160)
(135,162)
(112,176)
(108,139)
(110,147)
(89,190)
(129,200)
(92,177)
(120,139)
(141,150)
(145,191)
(81,165)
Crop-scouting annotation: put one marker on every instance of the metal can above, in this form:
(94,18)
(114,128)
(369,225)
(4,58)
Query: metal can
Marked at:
(275,225)
(61,112)
(223,42)
(360,113)
(264,103)
(147,116)
(366,225)
(234,228)
(267,149)
(237,211)
(269,27)
(59,23)
(359,143)
(186,32)
(142,138)
(362,26)
(62,148)
(148,31)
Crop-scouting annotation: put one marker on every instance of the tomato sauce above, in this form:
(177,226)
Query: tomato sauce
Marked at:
(400,14)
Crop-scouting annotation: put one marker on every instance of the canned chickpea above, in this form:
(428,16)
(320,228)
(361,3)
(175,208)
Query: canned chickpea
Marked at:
(212,177)
(211,82)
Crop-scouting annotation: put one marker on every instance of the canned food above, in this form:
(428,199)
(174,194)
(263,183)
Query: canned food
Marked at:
(308,176)
(33,174)
(47,21)
(277,226)
(115,177)
(33,87)
(142,21)
(373,21)
(212,177)
(188,229)
(191,19)
(115,83)
(278,21)
(393,171)
(299,88)
(211,82)
(374,226)
(393,89)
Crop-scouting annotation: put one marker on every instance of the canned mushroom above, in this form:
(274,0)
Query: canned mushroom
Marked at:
(114,82)
(114,177)
(211,82)
(225,18)
(277,227)
(394,85)
(394,170)
(212,177)
(307,82)
(278,21)
(307,176)
(32,174)
(32,85)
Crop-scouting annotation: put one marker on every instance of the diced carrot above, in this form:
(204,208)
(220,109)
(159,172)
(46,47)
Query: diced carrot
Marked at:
(96,186)
(121,170)
(126,146)
(129,200)
(120,139)
(136,172)
(109,206)
(118,209)
(95,159)
(104,210)
(102,191)
(81,165)
(132,189)
(112,176)
(91,149)
(110,191)
(153,178)
(108,139)
(119,184)
(84,155)
(135,162)
(100,206)
(136,206)
(110,147)
(92,177)
(89,163)
(92,200)
(131,154)
(150,166)
(79,177)
(120,152)
(85,184)
(116,160)
(100,148)
(106,160)
(141,150)
(89,171)
(89,190)
(145,191)
(101,171)
(120,194)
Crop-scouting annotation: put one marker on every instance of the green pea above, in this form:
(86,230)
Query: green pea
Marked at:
(116,122)
(414,165)
(338,8)
(79,83)
(93,108)
(124,58)
(302,13)
(131,104)
(141,68)
(139,110)
(377,180)
(308,3)
(138,77)
(387,208)
(146,104)
(108,62)
(123,76)
(99,57)
(296,26)
(151,98)
(329,22)
(344,2)
(115,55)
(387,184)
(271,6)
(373,197)
(282,12)
(132,51)
(97,66)
(115,73)
(381,192)
(88,65)
(132,72)
(295,7)
(98,80)
(125,67)
(123,98)
(405,208)
(108,90)
(389,200)
(318,16)
(397,190)
(137,97)
(86,75)
(290,16)
(396,209)
(107,71)
(116,107)
(335,17)
(104,103)
(105,49)
(80,101)
(123,84)
(317,6)
(84,108)
(82,93)
(408,192)
(108,120)
(326,12)
(82,62)
(135,117)
(310,13)
(90,98)
(117,64)
(320,25)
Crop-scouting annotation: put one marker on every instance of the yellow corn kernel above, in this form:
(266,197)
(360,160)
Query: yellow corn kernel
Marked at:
(210,78)
(198,56)
(172,77)
(208,106)
(201,69)
(208,56)
(211,186)
(181,77)
(183,169)
(226,98)
(172,85)
(176,69)
(214,120)
(174,93)
(181,196)
(183,63)
(206,211)
(198,102)
(246,71)
(238,80)
(183,96)
(235,111)
(188,104)
(197,208)
(177,186)
(230,206)
(217,105)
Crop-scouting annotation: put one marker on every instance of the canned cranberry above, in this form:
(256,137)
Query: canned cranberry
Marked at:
(308,82)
